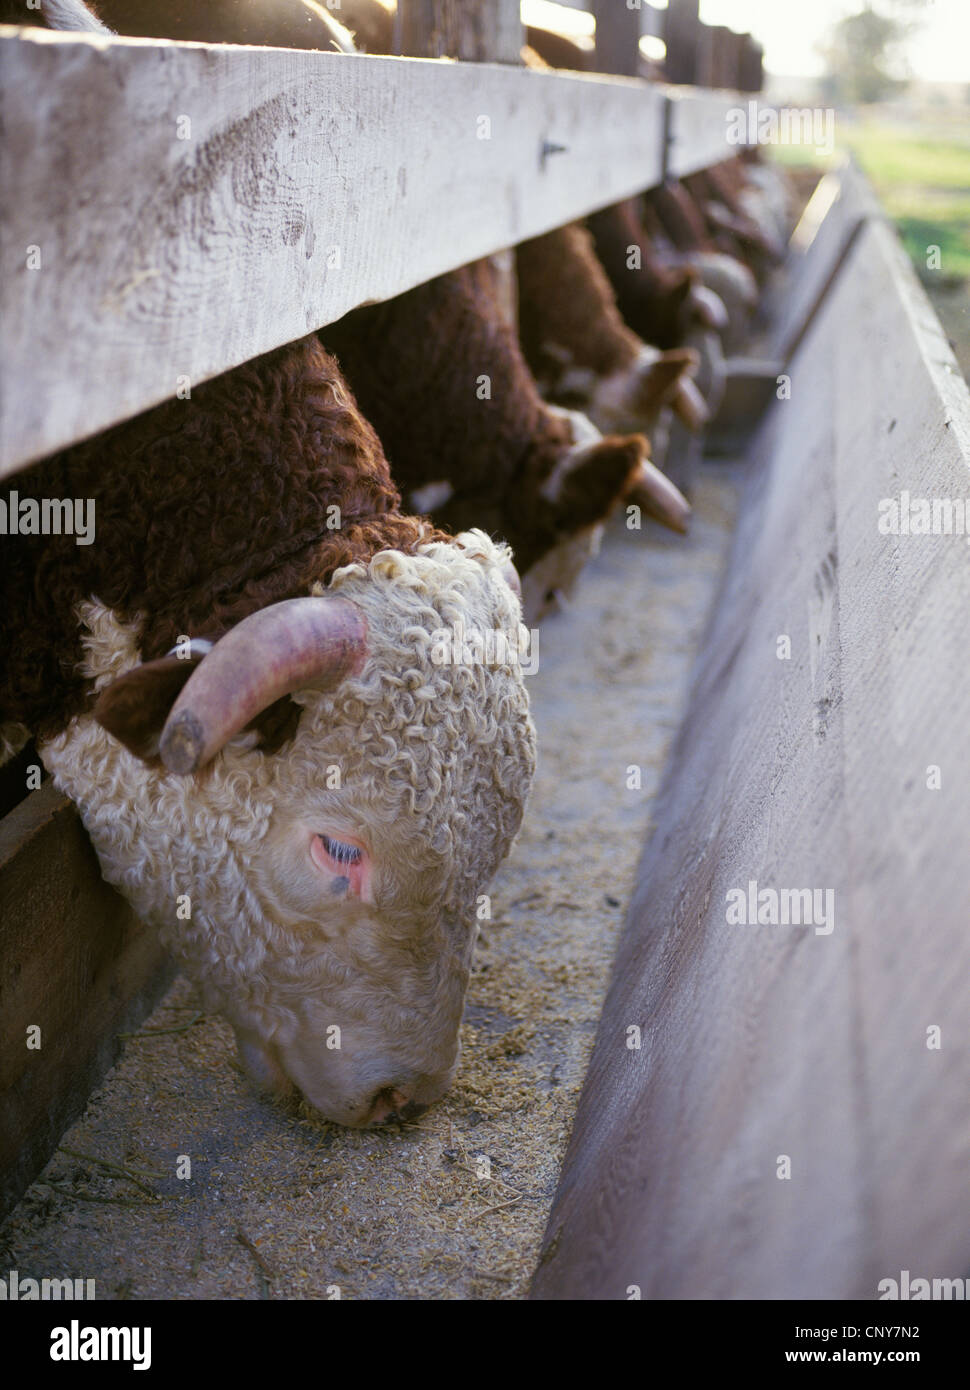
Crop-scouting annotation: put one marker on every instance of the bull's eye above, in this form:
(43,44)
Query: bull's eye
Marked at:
(340,852)
(346,866)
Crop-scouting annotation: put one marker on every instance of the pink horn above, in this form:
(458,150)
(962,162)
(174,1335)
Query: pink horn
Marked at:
(297,644)
(655,494)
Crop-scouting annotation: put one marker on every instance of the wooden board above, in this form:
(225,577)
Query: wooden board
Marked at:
(165,258)
(75,962)
(760,1042)
(834,215)
(699,130)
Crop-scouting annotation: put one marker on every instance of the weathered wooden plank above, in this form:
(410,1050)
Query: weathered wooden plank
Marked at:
(699,127)
(833,216)
(760,1042)
(902,421)
(76,963)
(163,259)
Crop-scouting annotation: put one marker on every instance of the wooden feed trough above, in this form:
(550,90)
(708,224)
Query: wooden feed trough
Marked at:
(793,1123)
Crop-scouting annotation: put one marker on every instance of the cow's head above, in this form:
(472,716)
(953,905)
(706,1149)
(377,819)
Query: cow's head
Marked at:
(633,397)
(589,480)
(323,896)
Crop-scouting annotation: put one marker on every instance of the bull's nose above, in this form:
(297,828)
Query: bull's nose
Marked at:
(390,1104)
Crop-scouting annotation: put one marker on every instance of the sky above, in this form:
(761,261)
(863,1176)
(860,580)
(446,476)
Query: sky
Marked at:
(939,50)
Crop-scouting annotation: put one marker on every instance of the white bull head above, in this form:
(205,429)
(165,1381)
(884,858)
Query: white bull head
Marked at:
(331,886)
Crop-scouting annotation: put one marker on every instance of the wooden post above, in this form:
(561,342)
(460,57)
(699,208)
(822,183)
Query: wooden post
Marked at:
(617,38)
(751,77)
(476,31)
(704,59)
(725,57)
(710,55)
(681,35)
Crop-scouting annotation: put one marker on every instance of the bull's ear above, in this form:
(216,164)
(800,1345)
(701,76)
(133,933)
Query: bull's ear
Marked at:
(682,286)
(658,381)
(134,708)
(600,475)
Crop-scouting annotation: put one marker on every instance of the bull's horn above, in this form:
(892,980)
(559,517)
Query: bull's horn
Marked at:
(297,644)
(690,406)
(655,494)
(709,308)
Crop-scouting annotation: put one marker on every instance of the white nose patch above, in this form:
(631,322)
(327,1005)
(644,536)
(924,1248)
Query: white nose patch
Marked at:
(585,434)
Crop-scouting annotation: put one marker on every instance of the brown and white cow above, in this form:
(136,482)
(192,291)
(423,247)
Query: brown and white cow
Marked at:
(293,719)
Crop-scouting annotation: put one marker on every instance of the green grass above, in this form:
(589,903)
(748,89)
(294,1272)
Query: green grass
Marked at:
(921,173)
(935,157)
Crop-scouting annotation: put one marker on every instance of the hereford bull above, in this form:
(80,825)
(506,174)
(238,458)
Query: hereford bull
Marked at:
(242,684)
(440,374)
(580,350)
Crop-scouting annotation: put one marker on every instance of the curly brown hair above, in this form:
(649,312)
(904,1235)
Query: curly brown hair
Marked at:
(206,509)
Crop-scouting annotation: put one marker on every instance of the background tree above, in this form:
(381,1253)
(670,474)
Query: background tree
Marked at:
(862,52)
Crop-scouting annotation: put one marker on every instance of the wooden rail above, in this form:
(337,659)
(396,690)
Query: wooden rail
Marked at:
(171,210)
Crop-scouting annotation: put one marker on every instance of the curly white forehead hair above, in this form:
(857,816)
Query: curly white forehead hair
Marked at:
(428,764)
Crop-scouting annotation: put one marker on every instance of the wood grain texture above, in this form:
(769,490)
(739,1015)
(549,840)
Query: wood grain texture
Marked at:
(478,32)
(841,204)
(75,961)
(164,258)
(699,130)
(761,1041)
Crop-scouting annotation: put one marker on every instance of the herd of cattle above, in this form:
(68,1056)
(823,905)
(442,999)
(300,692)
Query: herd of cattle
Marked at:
(240,683)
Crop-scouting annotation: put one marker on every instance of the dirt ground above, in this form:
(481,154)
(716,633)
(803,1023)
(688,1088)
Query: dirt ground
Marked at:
(279,1205)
